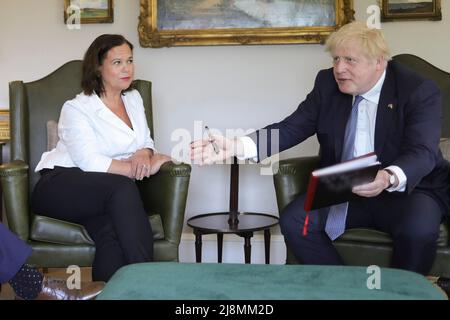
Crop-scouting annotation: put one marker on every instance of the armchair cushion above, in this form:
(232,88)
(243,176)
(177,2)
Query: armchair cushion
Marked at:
(49,230)
(377,237)
(52,230)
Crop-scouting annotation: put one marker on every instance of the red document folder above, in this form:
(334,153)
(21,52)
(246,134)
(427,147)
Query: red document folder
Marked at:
(333,184)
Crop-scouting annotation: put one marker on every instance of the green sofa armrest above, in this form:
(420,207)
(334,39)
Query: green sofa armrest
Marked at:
(14,181)
(292,178)
(165,193)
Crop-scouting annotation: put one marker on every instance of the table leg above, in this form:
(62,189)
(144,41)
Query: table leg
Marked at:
(267,245)
(198,246)
(247,246)
(219,247)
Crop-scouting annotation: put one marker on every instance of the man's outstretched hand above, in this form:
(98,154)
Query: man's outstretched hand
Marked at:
(202,151)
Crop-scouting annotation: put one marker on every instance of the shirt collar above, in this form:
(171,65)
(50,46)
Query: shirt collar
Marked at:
(373,95)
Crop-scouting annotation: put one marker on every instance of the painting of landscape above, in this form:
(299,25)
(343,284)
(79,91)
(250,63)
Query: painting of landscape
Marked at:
(393,10)
(92,11)
(410,6)
(167,23)
(222,14)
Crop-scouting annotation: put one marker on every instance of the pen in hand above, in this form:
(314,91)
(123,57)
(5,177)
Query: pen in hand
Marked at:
(211,139)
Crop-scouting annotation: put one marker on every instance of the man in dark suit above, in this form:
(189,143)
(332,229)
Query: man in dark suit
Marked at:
(365,103)
(27,282)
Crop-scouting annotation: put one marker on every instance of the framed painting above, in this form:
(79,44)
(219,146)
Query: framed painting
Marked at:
(396,10)
(90,11)
(166,23)
(4,124)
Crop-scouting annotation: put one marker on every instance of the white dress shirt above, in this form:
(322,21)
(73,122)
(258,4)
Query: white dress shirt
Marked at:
(91,135)
(364,136)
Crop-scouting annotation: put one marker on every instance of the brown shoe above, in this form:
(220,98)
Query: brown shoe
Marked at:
(56,289)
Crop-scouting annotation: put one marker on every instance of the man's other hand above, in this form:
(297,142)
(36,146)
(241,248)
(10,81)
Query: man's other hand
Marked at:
(375,187)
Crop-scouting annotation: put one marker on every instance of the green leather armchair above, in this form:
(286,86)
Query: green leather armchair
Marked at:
(366,246)
(59,243)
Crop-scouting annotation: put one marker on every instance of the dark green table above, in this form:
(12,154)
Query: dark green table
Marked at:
(214,281)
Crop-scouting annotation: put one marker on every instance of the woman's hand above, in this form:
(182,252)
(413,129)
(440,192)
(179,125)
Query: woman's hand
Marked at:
(157,161)
(141,163)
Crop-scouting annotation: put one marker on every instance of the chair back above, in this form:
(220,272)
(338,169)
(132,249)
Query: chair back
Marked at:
(439,76)
(33,104)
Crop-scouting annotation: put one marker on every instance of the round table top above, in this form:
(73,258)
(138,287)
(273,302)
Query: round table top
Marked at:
(218,222)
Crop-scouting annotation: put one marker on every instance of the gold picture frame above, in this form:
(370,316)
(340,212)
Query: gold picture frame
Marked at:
(171,23)
(4,125)
(406,10)
(96,11)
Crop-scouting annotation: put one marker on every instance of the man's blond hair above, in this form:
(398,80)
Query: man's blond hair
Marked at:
(372,42)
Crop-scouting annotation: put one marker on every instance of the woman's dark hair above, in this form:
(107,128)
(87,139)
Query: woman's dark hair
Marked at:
(91,80)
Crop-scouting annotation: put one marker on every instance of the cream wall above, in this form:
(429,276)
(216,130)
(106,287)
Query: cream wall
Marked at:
(226,87)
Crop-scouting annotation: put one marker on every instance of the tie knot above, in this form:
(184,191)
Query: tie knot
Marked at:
(358,99)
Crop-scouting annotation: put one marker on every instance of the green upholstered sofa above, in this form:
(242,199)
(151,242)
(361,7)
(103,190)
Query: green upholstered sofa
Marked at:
(59,243)
(364,246)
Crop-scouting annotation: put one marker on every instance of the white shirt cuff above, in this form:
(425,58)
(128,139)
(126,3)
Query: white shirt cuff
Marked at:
(250,149)
(401,179)
(150,144)
(151,148)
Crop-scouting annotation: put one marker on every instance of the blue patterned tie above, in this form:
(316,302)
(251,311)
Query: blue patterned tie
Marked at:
(335,225)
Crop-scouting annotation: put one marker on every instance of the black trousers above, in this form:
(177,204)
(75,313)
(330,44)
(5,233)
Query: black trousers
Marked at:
(412,221)
(107,205)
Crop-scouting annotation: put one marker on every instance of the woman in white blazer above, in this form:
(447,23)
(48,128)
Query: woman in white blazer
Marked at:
(104,145)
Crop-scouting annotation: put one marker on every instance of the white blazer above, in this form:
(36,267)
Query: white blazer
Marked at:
(91,135)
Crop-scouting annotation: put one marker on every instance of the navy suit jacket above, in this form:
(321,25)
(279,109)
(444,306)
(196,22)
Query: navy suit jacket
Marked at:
(407,129)
(13,254)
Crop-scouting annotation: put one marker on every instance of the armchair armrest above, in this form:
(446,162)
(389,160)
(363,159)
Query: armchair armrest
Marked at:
(292,178)
(14,181)
(165,193)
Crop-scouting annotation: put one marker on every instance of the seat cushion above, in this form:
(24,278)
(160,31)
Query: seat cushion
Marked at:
(378,237)
(52,230)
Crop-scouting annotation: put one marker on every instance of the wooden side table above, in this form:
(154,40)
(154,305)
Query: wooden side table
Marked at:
(219,223)
(240,223)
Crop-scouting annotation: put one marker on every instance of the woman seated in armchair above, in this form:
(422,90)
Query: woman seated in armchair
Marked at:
(104,145)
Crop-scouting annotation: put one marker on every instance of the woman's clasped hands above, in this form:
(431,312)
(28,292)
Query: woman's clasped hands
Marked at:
(144,163)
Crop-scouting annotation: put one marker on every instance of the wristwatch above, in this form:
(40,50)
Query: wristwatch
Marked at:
(391,178)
